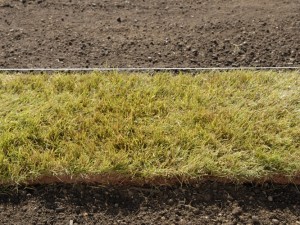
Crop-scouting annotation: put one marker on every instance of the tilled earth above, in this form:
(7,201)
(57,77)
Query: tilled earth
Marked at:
(206,203)
(156,33)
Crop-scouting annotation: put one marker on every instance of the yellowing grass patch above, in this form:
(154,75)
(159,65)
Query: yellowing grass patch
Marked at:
(238,125)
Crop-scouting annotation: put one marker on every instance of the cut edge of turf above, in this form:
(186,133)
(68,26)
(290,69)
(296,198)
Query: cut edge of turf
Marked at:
(118,179)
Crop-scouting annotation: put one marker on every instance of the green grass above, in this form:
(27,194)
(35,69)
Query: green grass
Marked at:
(238,125)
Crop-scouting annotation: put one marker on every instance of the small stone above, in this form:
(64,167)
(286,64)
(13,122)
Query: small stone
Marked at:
(255,219)
(181,202)
(195,52)
(270,198)
(197,211)
(182,221)
(71,222)
(237,211)
(180,44)
(143,208)
(275,221)
(215,56)
(170,201)
(59,209)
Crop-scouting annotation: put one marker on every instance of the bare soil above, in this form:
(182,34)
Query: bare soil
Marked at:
(203,203)
(136,33)
(140,33)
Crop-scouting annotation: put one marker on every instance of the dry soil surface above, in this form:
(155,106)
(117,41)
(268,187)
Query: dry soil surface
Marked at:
(156,33)
(206,203)
(140,33)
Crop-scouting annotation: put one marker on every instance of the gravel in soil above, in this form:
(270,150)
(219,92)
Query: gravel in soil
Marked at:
(203,203)
(135,33)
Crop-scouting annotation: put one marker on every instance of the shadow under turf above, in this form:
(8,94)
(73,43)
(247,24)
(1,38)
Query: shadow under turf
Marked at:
(208,201)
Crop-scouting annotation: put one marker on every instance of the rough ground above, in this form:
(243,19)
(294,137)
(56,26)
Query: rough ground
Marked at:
(135,33)
(207,203)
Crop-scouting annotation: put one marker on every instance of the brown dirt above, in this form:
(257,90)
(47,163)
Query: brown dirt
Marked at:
(206,203)
(136,33)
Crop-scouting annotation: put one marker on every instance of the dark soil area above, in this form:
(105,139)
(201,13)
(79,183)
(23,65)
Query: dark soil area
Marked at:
(156,33)
(206,203)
